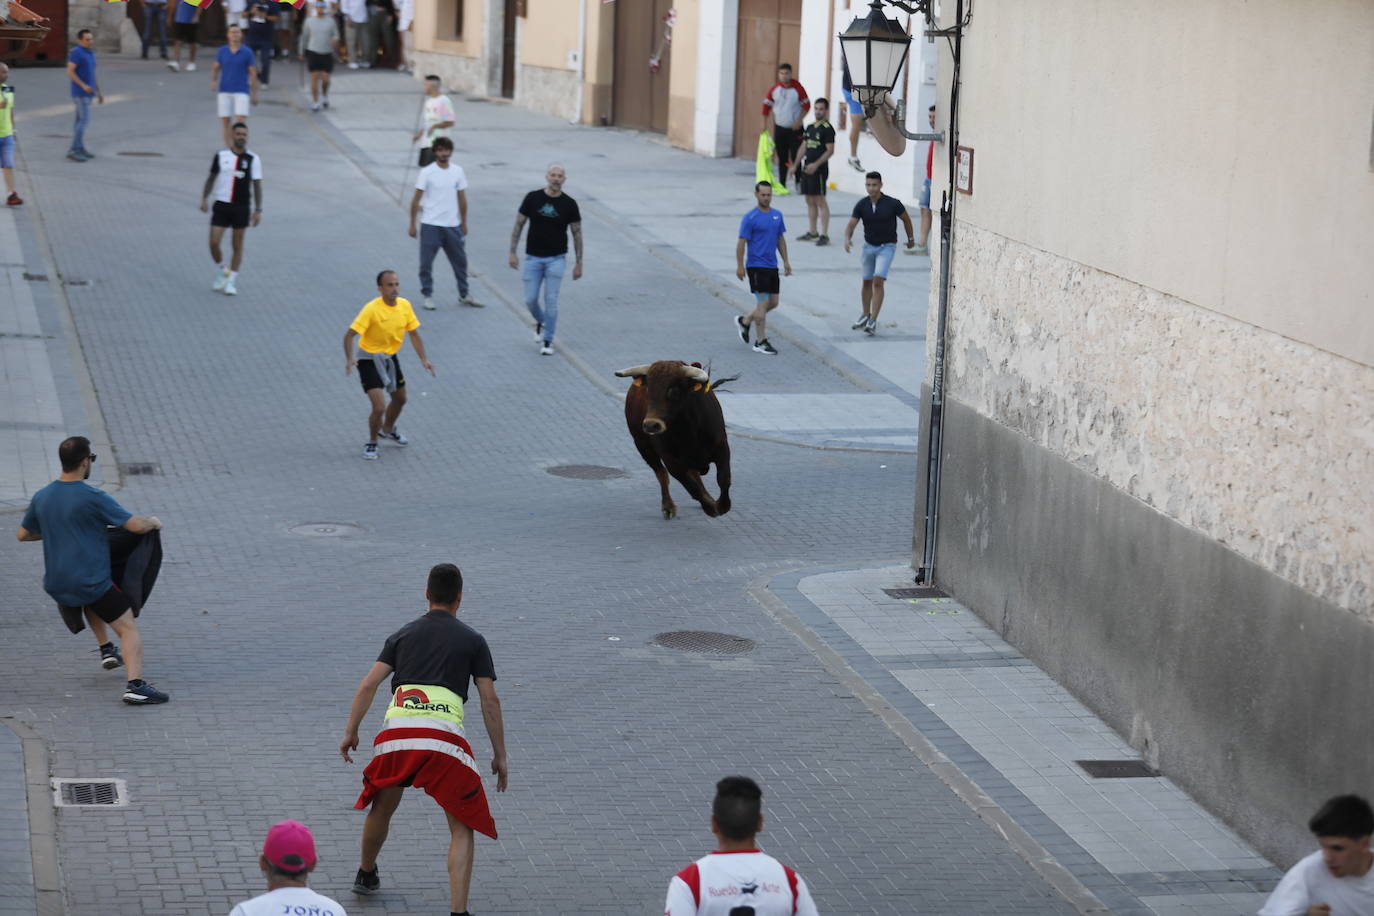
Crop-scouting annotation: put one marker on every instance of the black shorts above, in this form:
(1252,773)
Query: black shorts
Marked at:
(109,607)
(319,63)
(763,279)
(230,216)
(186,32)
(813,185)
(368,375)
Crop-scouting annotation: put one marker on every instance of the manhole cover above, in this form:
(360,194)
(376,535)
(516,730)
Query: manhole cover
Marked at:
(905,593)
(704,641)
(88,793)
(142,153)
(144,468)
(1117,769)
(326,530)
(587,471)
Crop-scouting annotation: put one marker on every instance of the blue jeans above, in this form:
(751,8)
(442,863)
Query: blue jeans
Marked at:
(263,55)
(877,259)
(450,239)
(155,13)
(83,117)
(548,271)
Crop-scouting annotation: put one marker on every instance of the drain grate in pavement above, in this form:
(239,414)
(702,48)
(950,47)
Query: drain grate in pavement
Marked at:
(36,278)
(140,153)
(88,793)
(141,468)
(907,593)
(326,530)
(587,471)
(1117,769)
(704,641)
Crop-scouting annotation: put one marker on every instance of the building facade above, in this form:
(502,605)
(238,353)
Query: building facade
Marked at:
(1159,426)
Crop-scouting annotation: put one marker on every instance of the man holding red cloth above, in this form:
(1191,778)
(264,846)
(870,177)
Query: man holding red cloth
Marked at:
(421,743)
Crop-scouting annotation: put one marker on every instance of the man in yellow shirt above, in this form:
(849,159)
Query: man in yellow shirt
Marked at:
(383,324)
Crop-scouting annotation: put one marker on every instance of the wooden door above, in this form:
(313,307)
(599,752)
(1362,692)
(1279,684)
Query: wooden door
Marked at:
(508,48)
(769,34)
(640,95)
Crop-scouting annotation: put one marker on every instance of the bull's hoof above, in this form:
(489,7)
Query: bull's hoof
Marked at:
(722,506)
(710,509)
(669,511)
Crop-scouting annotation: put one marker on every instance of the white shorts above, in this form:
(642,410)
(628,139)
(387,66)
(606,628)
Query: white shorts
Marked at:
(233,104)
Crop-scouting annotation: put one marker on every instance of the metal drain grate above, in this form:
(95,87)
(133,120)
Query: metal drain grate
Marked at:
(1117,769)
(35,278)
(587,471)
(704,641)
(140,153)
(326,530)
(141,468)
(89,793)
(907,593)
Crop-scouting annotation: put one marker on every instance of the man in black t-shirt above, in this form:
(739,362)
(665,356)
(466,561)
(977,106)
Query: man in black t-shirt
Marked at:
(422,744)
(813,172)
(551,214)
(879,214)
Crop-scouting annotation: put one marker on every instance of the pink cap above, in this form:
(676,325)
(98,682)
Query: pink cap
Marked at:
(290,846)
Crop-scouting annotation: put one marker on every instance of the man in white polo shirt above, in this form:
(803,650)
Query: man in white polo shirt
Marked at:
(441,205)
(1338,879)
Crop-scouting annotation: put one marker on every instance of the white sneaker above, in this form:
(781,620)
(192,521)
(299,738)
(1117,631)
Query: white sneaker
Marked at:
(538,332)
(191,66)
(230,289)
(325,102)
(370,451)
(173,66)
(429,303)
(314,106)
(221,279)
(353,65)
(546,349)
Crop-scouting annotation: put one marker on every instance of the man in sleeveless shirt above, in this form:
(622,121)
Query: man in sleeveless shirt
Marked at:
(421,744)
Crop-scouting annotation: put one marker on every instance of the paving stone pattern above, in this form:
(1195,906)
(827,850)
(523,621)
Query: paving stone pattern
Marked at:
(261,635)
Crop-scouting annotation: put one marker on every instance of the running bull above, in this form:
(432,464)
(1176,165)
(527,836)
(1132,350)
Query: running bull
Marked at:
(677,426)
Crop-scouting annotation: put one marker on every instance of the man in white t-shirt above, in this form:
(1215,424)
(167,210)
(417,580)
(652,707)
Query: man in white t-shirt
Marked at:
(355,25)
(1336,880)
(441,205)
(438,116)
(737,877)
(288,858)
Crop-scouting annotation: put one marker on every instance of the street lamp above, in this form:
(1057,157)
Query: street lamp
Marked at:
(874,48)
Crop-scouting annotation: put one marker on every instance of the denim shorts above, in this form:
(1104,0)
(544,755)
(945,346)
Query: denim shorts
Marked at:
(925,194)
(7,152)
(854,107)
(877,259)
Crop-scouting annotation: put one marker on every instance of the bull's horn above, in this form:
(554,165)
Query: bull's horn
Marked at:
(633,372)
(695,374)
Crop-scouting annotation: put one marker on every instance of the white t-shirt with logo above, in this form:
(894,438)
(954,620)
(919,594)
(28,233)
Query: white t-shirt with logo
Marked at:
(716,884)
(285,900)
(1309,883)
(437,109)
(439,202)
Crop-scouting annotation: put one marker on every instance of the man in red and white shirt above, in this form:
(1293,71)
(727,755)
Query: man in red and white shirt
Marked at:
(787,104)
(737,879)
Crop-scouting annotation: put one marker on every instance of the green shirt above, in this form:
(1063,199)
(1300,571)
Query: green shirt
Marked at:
(7,113)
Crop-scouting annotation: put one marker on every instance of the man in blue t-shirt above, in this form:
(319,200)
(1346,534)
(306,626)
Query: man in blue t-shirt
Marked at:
(71,518)
(760,235)
(81,72)
(235,78)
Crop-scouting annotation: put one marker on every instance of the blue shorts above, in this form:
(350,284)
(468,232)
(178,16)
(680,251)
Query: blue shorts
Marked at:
(925,194)
(854,107)
(7,152)
(877,259)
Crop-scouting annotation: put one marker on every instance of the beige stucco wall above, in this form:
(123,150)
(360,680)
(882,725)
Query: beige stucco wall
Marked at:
(548,33)
(682,75)
(1216,152)
(1164,274)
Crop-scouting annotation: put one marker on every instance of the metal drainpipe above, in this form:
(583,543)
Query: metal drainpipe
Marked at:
(925,573)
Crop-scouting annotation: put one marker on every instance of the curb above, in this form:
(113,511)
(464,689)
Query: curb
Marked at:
(994,815)
(47,872)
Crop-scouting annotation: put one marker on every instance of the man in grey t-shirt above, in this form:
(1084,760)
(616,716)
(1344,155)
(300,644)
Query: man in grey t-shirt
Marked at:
(319,45)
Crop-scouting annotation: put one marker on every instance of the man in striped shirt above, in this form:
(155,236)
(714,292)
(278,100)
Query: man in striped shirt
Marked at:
(422,744)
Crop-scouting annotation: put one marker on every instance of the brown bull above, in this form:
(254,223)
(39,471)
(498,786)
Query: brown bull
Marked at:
(677,426)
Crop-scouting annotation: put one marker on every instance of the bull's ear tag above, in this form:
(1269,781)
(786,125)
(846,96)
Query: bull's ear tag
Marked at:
(697,386)
(637,383)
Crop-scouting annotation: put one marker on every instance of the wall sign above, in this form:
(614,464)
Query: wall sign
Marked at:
(963,170)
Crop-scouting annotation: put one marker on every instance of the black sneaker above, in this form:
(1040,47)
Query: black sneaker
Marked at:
(742,328)
(141,693)
(871,327)
(110,658)
(763,346)
(860,324)
(808,237)
(367,882)
(539,332)
(822,240)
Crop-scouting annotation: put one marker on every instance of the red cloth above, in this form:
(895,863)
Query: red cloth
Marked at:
(449,780)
